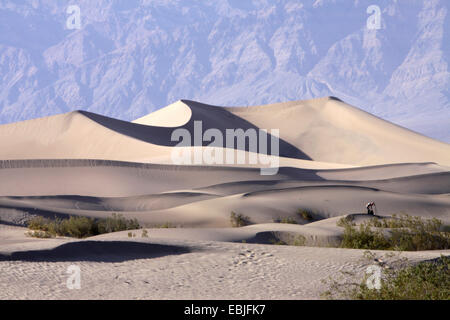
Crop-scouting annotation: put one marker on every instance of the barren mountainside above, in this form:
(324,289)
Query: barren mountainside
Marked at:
(133,57)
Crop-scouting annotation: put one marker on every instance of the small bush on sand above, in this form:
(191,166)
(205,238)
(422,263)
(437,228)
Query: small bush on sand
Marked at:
(278,242)
(429,280)
(345,221)
(81,227)
(288,220)
(404,233)
(166,225)
(293,240)
(38,234)
(116,223)
(77,227)
(407,221)
(239,220)
(39,223)
(144,233)
(363,237)
(425,281)
(305,214)
(299,240)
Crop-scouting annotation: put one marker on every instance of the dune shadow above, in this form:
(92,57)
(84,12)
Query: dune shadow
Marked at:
(97,251)
(212,118)
(35,211)
(335,98)
(300,174)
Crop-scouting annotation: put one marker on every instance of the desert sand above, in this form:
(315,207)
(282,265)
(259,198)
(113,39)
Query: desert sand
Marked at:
(334,158)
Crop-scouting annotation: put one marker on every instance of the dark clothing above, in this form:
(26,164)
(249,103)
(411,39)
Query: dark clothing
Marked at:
(369,207)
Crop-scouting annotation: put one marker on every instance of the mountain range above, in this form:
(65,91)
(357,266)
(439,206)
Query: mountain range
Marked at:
(130,57)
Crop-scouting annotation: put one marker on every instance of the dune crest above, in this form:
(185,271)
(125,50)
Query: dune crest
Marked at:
(330,130)
(174,115)
(326,130)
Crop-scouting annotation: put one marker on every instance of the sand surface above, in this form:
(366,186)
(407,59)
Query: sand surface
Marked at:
(334,158)
(113,267)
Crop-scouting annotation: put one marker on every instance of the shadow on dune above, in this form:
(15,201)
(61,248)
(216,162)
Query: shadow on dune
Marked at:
(335,98)
(51,214)
(97,251)
(212,117)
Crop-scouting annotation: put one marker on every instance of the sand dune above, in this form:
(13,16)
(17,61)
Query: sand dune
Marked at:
(325,202)
(325,130)
(334,158)
(330,130)
(113,178)
(188,269)
(183,195)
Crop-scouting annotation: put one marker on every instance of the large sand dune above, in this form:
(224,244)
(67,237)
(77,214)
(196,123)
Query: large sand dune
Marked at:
(334,158)
(324,130)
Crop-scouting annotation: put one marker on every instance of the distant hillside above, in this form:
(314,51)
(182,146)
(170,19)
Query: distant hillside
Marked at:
(132,57)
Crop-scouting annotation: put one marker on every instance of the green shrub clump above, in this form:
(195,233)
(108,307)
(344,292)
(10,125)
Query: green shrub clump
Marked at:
(305,214)
(403,233)
(79,227)
(288,220)
(364,238)
(239,220)
(116,223)
(428,280)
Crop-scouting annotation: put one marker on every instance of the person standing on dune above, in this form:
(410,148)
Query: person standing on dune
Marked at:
(370,206)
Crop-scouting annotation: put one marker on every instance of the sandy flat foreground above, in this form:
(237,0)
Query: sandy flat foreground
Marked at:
(152,268)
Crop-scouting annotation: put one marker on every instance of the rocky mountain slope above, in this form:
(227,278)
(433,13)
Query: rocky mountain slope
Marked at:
(131,57)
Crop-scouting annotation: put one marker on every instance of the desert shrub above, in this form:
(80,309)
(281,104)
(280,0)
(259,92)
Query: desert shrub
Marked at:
(38,234)
(428,280)
(39,223)
(292,240)
(407,221)
(417,240)
(77,227)
(81,227)
(144,233)
(363,238)
(278,242)
(299,240)
(239,220)
(166,225)
(345,221)
(305,214)
(406,233)
(288,220)
(116,222)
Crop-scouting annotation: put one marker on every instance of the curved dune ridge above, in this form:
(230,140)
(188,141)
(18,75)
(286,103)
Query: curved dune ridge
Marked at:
(330,130)
(323,131)
(174,115)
